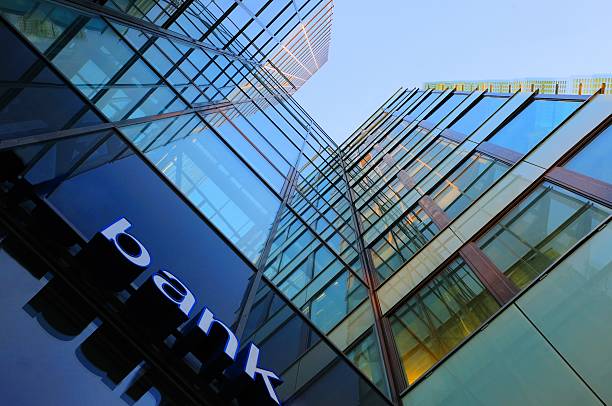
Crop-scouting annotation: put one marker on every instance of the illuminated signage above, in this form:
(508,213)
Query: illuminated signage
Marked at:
(115,258)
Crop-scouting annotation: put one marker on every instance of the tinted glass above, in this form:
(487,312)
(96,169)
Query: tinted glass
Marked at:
(443,110)
(594,159)
(539,230)
(477,115)
(533,124)
(217,182)
(29,82)
(572,307)
(467,183)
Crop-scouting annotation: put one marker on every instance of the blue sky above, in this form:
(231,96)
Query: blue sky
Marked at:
(380,46)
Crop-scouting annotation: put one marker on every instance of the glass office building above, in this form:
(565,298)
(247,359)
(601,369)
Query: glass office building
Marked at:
(175,229)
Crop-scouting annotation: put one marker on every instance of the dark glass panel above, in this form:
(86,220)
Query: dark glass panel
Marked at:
(28,82)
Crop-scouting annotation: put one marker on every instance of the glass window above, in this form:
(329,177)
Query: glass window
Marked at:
(336,301)
(509,363)
(594,159)
(424,104)
(400,243)
(219,184)
(539,230)
(366,356)
(439,316)
(572,307)
(532,124)
(28,82)
(446,108)
(478,114)
(467,183)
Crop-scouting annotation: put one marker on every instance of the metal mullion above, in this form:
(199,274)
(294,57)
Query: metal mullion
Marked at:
(384,127)
(582,184)
(412,157)
(395,142)
(492,162)
(128,65)
(105,124)
(60,75)
(255,147)
(400,117)
(124,19)
(552,267)
(148,148)
(327,188)
(239,156)
(379,219)
(280,114)
(263,136)
(352,141)
(385,345)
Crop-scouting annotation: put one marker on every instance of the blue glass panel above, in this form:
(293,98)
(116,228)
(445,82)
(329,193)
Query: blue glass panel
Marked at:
(477,115)
(533,124)
(594,159)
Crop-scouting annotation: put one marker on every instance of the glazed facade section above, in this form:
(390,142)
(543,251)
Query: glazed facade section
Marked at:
(453,234)
(178,118)
(475,209)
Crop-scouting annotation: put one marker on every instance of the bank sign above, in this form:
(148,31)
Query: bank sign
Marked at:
(163,303)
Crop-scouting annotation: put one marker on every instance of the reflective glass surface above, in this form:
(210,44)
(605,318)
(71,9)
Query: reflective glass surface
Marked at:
(439,316)
(532,124)
(215,181)
(467,183)
(506,364)
(30,82)
(538,230)
(572,307)
(477,115)
(594,159)
(443,110)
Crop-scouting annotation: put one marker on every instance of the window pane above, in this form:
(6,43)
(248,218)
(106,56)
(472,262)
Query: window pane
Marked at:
(573,309)
(27,83)
(448,106)
(366,356)
(215,181)
(533,124)
(594,159)
(439,316)
(467,183)
(539,230)
(340,297)
(509,363)
(478,115)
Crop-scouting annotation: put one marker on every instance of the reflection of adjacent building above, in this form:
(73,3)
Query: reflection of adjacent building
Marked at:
(571,85)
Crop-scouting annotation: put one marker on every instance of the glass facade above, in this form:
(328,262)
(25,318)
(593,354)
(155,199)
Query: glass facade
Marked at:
(406,265)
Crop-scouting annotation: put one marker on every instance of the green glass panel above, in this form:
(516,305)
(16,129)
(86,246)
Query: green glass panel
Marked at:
(572,307)
(508,363)
(539,230)
(594,159)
